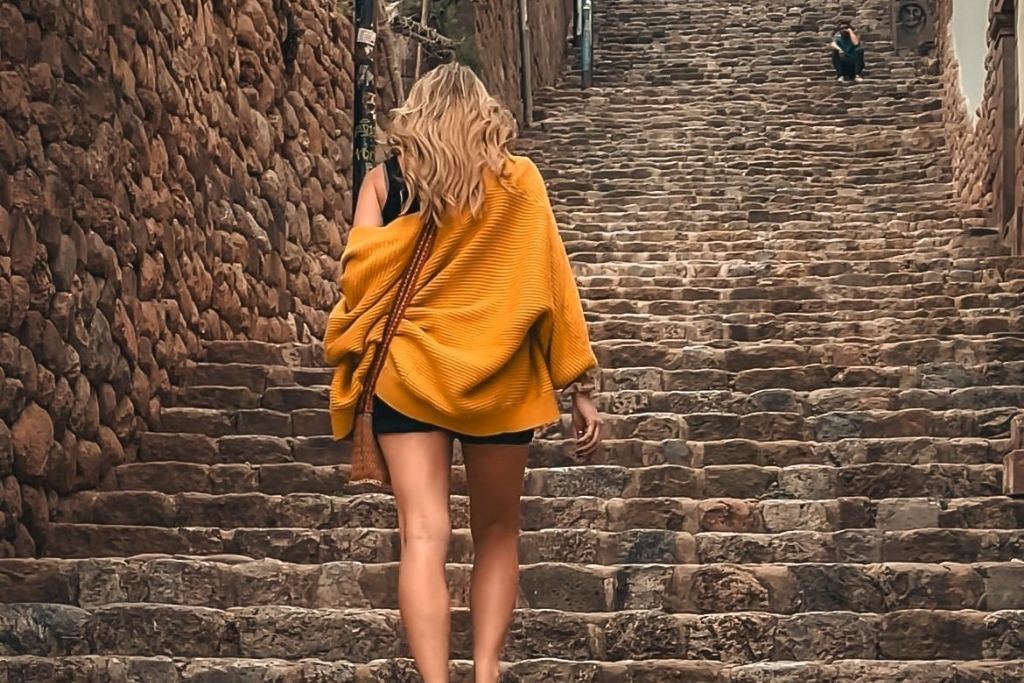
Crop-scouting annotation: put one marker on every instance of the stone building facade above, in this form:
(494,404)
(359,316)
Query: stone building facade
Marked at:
(988,148)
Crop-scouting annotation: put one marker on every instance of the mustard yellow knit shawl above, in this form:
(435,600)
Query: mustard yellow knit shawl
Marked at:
(494,327)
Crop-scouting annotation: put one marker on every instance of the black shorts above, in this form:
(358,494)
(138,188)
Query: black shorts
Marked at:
(387,420)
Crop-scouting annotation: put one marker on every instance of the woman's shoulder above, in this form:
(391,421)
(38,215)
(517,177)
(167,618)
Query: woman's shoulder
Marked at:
(520,165)
(523,175)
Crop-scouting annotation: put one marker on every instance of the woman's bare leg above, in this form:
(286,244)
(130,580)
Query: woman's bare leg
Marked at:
(420,464)
(495,475)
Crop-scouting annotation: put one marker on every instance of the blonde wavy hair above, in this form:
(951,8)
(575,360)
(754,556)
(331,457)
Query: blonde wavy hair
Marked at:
(447,135)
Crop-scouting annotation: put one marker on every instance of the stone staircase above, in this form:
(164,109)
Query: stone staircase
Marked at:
(810,365)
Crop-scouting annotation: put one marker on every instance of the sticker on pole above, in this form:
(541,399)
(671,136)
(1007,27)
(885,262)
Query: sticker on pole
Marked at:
(366,36)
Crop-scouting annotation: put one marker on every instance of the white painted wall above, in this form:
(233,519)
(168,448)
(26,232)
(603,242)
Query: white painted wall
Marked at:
(970,43)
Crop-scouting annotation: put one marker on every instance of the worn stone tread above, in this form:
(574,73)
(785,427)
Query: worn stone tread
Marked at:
(367,544)
(293,632)
(769,515)
(872,480)
(113,669)
(804,402)
(235,581)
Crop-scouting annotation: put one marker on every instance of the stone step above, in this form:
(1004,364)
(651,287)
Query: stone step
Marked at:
(945,308)
(650,254)
(815,376)
(704,124)
(821,264)
(950,282)
(622,402)
(313,546)
(789,150)
(792,89)
(740,356)
(256,377)
(114,669)
(700,265)
(228,582)
(257,450)
(844,204)
(793,148)
(783,249)
(751,183)
(818,382)
(875,481)
(823,196)
(349,507)
(821,267)
(990,423)
(711,211)
(866,202)
(958,291)
(701,108)
(145,629)
(818,182)
(807,328)
(820,402)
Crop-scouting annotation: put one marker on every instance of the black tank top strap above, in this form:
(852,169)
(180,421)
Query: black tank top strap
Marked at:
(392,208)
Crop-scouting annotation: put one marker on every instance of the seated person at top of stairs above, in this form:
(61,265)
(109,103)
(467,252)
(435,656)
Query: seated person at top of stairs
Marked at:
(847,53)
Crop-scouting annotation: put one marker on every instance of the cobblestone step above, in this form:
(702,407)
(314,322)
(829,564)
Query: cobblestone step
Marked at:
(948,376)
(321,450)
(581,512)
(262,381)
(806,328)
(145,629)
(960,293)
(311,546)
(114,669)
(863,281)
(662,425)
(229,582)
(873,480)
(778,510)
(632,401)
(726,267)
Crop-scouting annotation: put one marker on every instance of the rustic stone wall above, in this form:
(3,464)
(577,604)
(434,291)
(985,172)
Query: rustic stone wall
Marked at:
(499,51)
(170,173)
(1017,241)
(971,140)
(977,146)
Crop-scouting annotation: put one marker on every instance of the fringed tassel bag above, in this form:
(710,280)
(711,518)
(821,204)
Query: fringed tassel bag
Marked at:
(368,462)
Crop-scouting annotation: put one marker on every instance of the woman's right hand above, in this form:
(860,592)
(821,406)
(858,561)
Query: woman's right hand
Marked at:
(586,423)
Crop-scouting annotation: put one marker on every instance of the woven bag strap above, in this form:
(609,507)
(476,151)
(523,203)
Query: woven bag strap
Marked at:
(406,289)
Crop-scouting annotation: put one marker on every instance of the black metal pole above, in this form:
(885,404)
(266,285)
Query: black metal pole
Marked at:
(587,43)
(526,52)
(365,114)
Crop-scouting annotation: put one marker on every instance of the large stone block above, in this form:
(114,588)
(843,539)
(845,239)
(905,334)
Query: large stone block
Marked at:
(1013,473)
(46,630)
(32,438)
